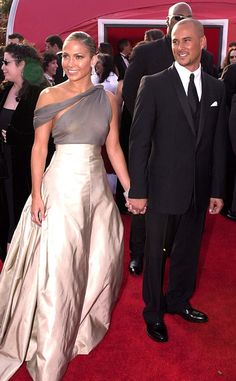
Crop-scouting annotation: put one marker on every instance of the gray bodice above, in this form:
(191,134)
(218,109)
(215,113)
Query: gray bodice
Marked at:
(85,122)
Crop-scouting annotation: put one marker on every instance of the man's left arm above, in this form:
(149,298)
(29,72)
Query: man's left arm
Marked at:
(219,158)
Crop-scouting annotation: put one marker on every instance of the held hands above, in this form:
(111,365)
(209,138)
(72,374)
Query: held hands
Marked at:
(215,206)
(139,206)
(37,211)
(136,206)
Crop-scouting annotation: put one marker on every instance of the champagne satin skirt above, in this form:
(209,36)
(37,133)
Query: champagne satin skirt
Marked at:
(60,281)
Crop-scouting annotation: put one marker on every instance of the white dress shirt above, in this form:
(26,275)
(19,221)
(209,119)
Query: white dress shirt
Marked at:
(110,83)
(125,59)
(185,77)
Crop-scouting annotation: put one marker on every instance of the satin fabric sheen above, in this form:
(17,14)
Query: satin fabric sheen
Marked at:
(60,281)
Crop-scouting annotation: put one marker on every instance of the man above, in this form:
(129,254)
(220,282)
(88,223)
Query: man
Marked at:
(153,34)
(121,60)
(53,44)
(16,38)
(150,59)
(229,79)
(177,168)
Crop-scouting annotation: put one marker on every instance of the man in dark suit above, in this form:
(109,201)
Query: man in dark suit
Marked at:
(229,79)
(177,169)
(53,44)
(121,60)
(148,59)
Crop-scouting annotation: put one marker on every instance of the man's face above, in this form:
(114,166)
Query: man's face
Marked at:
(127,49)
(187,45)
(177,14)
(14,41)
(51,48)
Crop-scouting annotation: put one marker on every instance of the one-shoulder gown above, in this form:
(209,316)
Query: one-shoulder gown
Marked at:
(60,281)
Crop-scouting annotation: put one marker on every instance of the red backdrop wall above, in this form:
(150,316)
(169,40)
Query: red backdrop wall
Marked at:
(37,19)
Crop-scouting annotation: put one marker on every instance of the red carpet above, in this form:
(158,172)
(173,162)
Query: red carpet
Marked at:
(194,352)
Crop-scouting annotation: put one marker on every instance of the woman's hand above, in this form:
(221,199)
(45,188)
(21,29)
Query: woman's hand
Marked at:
(37,210)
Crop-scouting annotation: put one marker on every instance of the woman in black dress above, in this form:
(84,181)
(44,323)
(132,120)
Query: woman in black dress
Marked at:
(24,81)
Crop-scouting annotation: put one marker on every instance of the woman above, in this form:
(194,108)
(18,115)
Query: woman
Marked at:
(63,271)
(24,82)
(50,66)
(105,73)
(229,59)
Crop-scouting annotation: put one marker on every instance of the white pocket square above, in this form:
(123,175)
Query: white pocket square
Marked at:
(214,104)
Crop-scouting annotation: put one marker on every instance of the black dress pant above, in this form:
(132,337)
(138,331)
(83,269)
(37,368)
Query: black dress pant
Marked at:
(137,236)
(181,236)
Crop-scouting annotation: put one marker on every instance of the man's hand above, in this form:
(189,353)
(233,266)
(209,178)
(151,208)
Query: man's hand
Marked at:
(137,206)
(216,204)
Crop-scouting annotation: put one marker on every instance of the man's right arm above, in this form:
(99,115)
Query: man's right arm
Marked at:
(140,139)
(133,75)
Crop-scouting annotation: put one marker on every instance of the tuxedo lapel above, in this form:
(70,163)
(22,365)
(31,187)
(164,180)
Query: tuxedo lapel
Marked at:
(175,79)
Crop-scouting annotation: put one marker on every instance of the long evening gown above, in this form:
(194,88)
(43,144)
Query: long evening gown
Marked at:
(60,281)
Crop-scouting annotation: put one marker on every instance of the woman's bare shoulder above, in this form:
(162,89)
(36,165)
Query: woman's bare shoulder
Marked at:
(52,94)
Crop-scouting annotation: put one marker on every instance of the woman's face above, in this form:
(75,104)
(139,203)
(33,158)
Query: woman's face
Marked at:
(52,68)
(12,70)
(232,56)
(76,60)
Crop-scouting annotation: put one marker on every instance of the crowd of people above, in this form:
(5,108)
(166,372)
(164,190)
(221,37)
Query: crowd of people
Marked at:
(166,117)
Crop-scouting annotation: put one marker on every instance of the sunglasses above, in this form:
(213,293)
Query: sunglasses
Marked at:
(232,57)
(5,62)
(180,17)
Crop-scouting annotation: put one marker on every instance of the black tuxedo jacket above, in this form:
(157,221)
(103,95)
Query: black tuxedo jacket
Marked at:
(120,65)
(232,133)
(152,58)
(169,163)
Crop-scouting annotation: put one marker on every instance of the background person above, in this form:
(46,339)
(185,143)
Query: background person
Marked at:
(121,59)
(153,34)
(24,81)
(50,66)
(16,38)
(230,58)
(105,48)
(105,73)
(53,44)
(106,76)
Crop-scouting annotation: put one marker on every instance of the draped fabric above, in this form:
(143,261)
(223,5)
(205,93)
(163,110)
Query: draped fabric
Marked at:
(60,281)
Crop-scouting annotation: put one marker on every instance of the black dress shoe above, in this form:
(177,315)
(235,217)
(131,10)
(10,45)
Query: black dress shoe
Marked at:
(190,314)
(136,266)
(158,332)
(231,215)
